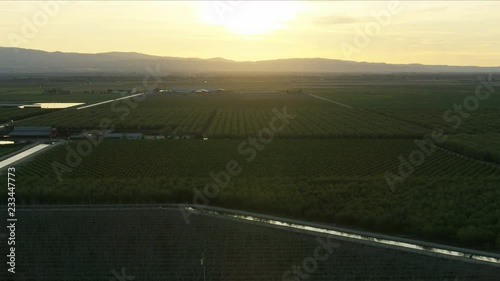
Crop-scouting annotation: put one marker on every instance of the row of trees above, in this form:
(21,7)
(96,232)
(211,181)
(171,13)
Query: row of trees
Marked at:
(235,122)
(465,211)
(482,147)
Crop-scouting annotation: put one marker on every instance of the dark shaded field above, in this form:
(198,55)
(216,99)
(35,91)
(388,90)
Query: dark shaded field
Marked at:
(156,244)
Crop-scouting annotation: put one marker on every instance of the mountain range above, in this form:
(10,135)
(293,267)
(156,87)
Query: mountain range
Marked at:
(22,61)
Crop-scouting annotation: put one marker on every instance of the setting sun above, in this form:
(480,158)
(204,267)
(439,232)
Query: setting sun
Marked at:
(250,18)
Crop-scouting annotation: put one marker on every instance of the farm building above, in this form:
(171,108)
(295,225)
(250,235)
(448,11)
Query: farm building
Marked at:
(39,132)
(122,92)
(113,136)
(128,136)
(194,90)
(157,137)
(82,135)
(19,105)
(133,136)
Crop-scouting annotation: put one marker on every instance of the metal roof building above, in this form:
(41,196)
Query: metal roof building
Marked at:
(129,136)
(33,132)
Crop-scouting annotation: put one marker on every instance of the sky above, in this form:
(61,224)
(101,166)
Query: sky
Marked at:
(434,32)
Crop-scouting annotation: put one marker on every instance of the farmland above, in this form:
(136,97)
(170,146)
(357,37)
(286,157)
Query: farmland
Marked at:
(7,114)
(388,93)
(27,97)
(422,104)
(484,147)
(6,149)
(14,113)
(311,158)
(480,122)
(156,244)
(319,179)
(250,140)
(233,117)
(329,163)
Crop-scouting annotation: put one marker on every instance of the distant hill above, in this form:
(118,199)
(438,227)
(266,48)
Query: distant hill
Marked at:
(19,61)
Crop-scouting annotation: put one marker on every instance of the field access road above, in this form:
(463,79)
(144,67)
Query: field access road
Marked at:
(317,229)
(73,107)
(335,102)
(26,154)
(108,101)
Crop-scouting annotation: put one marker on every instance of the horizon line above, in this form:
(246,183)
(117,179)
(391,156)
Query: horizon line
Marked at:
(252,61)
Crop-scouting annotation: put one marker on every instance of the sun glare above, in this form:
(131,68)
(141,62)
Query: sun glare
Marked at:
(247,18)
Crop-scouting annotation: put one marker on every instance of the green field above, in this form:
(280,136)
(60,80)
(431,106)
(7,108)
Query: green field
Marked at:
(27,96)
(311,158)
(233,116)
(478,122)
(320,179)
(484,147)
(423,94)
(329,163)
(8,113)
(422,104)
(6,149)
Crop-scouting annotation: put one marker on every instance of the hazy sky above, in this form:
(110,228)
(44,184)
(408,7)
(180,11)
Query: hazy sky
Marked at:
(452,32)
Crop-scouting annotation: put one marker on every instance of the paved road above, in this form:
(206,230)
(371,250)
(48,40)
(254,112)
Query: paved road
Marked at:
(19,156)
(26,154)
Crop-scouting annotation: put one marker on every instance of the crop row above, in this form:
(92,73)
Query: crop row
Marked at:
(482,121)
(7,114)
(308,158)
(311,123)
(485,147)
(185,120)
(236,122)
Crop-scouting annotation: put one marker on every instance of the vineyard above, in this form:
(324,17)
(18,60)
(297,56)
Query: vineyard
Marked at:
(156,244)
